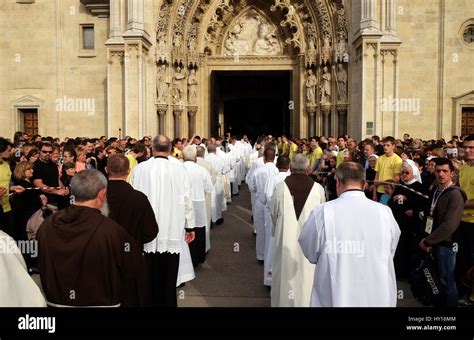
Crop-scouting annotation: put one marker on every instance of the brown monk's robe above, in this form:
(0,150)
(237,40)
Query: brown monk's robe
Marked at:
(132,210)
(83,257)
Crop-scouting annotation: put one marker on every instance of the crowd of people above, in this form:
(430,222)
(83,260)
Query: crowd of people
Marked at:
(123,222)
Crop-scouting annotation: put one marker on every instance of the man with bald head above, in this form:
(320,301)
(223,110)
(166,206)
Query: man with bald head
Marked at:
(167,188)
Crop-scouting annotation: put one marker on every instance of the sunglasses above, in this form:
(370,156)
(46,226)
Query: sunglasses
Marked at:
(405,173)
(50,152)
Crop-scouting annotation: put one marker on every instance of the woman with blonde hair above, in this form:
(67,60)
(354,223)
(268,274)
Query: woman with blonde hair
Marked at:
(81,158)
(26,203)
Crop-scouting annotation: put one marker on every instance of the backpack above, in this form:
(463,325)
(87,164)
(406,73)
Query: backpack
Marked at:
(37,218)
(424,280)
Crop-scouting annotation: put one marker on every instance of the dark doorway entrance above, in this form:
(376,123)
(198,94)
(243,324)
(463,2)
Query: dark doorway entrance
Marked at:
(251,103)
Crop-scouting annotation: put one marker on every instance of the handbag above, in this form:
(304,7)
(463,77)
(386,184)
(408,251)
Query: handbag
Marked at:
(424,281)
(37,219)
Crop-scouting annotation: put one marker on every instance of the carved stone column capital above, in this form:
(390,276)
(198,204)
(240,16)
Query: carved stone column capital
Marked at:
(311,110)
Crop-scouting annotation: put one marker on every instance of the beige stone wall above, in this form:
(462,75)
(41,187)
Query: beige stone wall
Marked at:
(40,57)
(422,70)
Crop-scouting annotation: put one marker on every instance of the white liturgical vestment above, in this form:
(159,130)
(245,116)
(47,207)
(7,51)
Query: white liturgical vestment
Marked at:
(352,241)
(292,277)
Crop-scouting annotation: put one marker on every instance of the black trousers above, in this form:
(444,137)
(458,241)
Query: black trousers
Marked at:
(163,276)
(464,237)
(197,248)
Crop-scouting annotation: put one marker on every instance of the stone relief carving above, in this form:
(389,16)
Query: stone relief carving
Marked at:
(310,85)
(252,34)
(341,84)
(325,87)
(192,87)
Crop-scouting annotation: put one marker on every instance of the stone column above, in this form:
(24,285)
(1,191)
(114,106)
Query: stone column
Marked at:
(342,119)
(192,110)
(115,105)
(115,30)
(135,22)
(162,109)
(177,111)
(311,110)
(368,19)
(326,113)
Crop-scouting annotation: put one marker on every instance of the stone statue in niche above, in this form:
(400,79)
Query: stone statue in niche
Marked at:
(192,87)
(252,34)
(326,50)
(325,87)
(341,49)
(177,40)
(162,83)
(341,84)
(192,44)
(311,45)
(310,85)
(178,80)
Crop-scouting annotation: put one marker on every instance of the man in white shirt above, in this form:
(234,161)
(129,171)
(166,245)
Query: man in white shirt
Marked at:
(352,241)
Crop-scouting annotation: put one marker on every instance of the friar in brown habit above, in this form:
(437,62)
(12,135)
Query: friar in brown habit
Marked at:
(84,256)
(131,209)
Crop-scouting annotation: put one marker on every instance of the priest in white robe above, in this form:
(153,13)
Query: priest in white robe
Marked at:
(200,184)
(291,205)
(217,194)
(200,154)
(353,251)
(260,179)
(166,186)
(283,166)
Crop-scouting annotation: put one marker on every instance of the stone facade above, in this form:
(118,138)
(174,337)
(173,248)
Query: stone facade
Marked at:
(364,67)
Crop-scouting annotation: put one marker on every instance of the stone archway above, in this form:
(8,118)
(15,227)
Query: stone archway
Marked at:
(306,37)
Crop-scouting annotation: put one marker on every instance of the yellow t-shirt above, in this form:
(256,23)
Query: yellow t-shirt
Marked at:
(315,155)
(340,157)
(286,149)
(466,181)
(387,167)
(133,163)
(5,177)
(293,150)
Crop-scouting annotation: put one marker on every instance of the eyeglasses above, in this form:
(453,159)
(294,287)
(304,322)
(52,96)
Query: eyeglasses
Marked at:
(405,173)
(50,152)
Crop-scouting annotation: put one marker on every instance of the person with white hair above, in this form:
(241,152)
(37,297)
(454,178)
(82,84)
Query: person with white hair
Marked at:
(200,184)
(406,205)
(292,202)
